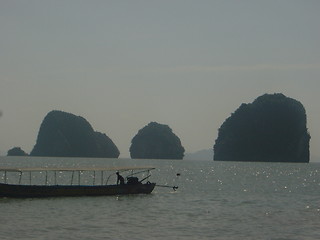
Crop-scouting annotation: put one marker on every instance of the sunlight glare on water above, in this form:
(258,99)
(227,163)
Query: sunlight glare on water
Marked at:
(215,200)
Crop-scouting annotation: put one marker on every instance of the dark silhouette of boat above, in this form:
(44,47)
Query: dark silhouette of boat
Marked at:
(30,190)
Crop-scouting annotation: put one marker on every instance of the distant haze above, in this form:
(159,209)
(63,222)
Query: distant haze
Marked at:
(205,154)
(122,64)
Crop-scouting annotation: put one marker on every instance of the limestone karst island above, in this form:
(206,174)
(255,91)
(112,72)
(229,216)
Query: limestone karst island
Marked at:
(156,141)
(16,151)
(63,134)
(271,129)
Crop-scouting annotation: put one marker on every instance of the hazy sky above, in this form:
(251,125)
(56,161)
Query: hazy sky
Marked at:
(123,64)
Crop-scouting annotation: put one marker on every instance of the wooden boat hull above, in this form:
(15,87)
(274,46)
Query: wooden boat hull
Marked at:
(34,191)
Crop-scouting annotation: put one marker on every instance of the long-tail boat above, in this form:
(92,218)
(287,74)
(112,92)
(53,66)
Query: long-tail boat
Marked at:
(96,182)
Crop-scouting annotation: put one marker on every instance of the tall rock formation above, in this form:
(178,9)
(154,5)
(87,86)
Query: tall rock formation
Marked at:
(271,129)
(63,134)
(156,141)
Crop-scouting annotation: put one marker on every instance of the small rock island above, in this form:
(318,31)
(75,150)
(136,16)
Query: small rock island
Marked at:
(156,141)
(271,129)
(16,151)
(63,134)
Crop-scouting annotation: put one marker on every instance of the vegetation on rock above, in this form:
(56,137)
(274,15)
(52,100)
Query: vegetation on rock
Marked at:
(156,141)
(63,134)
(272,128)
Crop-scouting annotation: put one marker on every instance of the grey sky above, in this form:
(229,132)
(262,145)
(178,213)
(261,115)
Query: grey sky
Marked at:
(122,64)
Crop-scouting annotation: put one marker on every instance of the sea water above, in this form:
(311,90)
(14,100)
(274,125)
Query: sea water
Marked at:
(215,200)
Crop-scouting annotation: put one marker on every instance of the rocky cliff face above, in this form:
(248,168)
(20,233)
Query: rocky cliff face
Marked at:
(156,141)
(272,128)
(63,134)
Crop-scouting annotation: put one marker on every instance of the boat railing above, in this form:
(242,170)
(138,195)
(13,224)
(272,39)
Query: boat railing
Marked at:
(81,176)
(52,178)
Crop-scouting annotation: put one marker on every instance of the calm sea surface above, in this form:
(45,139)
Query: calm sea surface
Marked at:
(215,200)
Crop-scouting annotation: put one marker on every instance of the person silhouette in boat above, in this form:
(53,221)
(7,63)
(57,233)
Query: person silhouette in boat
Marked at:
(120,179)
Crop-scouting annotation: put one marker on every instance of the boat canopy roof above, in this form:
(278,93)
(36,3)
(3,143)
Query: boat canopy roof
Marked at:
(41,169)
